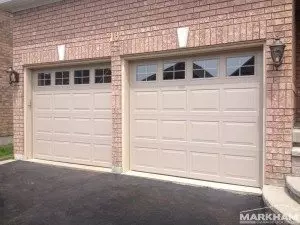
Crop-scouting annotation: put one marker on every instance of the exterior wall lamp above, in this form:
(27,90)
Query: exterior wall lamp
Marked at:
(13,75)
(277,50)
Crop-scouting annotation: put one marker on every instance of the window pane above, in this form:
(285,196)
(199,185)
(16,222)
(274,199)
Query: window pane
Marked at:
(41,76)
(66,74)
(151,77)
(47,82)
(142,77)
(86,80)
(66,81)
(141,69)
(169,67)
(107,79)
(180,75)
(77,73)
(247,61)
(107,71)
(77,81)
(168,75)
(58,75)
(86,73)
(234,71)
(47,76)
(211,72)
(180,66)
(99,79)
(58,81)
(198,65)
(233,62)
(211,63)
(98,72)
(152,69)
(246,71)
(198,74)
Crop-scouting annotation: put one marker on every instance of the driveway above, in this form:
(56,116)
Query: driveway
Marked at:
(36,194)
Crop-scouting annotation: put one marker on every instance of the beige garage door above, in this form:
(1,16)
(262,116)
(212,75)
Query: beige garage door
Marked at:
(198,117)
(72,115)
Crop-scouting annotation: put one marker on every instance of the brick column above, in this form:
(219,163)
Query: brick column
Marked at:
(116,107)
(280,102)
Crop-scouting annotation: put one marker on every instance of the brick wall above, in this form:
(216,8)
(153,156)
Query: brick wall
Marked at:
(99,28)
(298,62)
(6,109)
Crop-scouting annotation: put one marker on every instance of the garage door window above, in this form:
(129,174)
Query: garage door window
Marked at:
(146,72)
(81,77)
(102,76)
(62,78)
(174,71)
(205,68)
(44,79)
(240,66)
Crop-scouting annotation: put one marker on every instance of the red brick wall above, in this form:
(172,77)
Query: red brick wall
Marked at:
(99,28)
(6,103)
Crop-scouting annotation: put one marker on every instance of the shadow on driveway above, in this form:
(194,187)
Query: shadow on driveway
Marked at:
(36,194)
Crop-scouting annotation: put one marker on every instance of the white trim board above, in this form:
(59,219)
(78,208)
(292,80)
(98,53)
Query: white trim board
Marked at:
(199,183)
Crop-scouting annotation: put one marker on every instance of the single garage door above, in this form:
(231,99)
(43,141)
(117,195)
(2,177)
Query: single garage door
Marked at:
(198,117)
(72,115)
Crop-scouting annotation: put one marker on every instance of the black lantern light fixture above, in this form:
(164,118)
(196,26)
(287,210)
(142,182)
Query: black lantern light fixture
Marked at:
(13,75)
(277,50)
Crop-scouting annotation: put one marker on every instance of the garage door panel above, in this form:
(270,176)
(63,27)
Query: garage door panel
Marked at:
(44,124)
(204,163)
(102,127)
(44,146)
(173,130)
(81,151)
(174,161)
(204,131)
(81,126)
(61,125)
(61,149)
(62,102)
(145,100)
(102,101)
(43,102)
(146,129)
(145,157)
(204,100)
(82,101)
(239,133)
(173,100)
(240,99)
(239,167)
(102,154)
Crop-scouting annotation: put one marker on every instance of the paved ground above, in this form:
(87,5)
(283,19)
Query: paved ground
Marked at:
(35,194)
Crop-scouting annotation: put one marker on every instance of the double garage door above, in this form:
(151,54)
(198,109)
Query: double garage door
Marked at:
(197,117)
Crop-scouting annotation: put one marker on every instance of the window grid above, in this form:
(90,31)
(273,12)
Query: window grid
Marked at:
(103,75)
(44,79)
(146,72)
(242,68)
(81,77)
(174,71)
(62,78)
(205,68)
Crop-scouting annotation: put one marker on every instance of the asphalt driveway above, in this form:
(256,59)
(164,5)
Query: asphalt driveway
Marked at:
(35,194)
